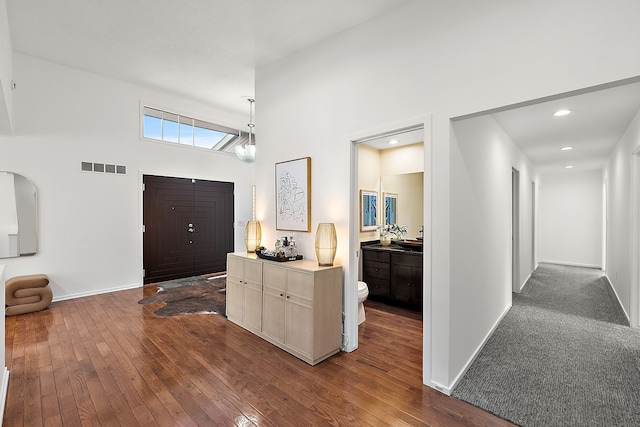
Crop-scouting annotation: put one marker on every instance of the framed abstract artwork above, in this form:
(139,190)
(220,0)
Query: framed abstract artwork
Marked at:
(390,208)
(293,195)
(368,210)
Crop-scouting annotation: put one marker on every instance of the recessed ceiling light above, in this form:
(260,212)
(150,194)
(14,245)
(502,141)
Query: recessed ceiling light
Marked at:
(568,167)
(567,148)
(561,113)
(393,142)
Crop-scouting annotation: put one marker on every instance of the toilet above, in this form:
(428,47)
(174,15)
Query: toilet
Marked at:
(363,292)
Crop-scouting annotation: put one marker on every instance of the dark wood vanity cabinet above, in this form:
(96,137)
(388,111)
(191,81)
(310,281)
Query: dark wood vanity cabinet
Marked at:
(406,279)
(394,276)
(376,273)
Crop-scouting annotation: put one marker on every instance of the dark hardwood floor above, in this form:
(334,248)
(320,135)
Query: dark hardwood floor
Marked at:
(106,360)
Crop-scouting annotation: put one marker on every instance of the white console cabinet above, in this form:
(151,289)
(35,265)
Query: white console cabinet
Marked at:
(300,306)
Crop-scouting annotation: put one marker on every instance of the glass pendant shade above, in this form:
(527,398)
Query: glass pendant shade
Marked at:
(252,236)
(246,153)
(326,243)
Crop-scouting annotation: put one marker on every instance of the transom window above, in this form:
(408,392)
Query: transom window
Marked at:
(175,128)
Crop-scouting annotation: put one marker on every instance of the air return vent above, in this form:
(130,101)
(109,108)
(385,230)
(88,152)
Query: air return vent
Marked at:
(103,168)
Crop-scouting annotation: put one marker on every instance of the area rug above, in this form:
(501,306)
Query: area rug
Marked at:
(192,295)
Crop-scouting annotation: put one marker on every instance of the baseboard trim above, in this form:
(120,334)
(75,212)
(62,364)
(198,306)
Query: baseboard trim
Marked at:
(440,388)
(524,283)
(3,393)
(97,292)
(475,353)
(618,298)
(573,264)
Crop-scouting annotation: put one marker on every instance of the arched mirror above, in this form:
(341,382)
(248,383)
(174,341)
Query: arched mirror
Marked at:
(18,216)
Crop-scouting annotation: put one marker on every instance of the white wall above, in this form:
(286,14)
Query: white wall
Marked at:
(6,73)
(90,223)
(446,59)
(618,176)
(481,202)
(571,218)
(402,160)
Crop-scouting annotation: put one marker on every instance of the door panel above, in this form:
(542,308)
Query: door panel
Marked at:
(188,227)
(213,223)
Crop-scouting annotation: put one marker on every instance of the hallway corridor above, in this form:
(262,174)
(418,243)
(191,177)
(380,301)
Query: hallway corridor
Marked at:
(563,355)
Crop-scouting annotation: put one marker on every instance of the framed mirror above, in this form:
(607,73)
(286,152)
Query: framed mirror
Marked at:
(18,216)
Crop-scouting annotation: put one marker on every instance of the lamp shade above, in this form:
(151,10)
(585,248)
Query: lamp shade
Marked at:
(326,243)
(252,235)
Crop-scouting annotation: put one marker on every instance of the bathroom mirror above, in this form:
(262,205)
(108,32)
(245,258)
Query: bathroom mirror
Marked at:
(18,216)
(408,192)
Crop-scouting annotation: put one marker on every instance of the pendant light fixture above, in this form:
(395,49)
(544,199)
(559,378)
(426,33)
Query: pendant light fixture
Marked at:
(247,152)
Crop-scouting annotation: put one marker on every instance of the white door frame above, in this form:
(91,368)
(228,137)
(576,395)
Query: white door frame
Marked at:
(351,300)
(515,230)
(634,288)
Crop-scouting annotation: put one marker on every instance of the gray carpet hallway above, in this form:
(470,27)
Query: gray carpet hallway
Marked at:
(564,355)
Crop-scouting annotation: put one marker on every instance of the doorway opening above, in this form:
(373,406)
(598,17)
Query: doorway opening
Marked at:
(421,127)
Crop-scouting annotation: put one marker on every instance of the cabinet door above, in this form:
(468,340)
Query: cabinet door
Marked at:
(252,297)
(402,289)
(299,324)
(273,313)
(299,311)
(252,306)
(244,291)
(235,294)
(417,286)
(235,297)
(275,286)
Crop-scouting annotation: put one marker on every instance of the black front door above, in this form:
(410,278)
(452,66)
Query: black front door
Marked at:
(188,227)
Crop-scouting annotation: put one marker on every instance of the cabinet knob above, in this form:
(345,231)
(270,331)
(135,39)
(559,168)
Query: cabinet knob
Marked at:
(281,295)
(287,296)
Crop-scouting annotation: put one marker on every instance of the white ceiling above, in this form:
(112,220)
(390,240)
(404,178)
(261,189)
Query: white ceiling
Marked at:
(597,121)
(209,50)
(203,49)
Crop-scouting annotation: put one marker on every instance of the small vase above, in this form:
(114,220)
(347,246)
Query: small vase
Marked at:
(385,240)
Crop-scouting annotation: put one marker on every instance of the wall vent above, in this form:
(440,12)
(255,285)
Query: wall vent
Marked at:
(103,168)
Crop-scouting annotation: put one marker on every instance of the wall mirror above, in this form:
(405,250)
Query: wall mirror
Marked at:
(18,216)
(405,194)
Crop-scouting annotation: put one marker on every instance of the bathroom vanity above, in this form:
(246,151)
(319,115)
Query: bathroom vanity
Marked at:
(295,305)
(393,273)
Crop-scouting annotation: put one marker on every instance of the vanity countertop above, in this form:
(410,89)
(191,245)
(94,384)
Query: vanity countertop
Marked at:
(393,247)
